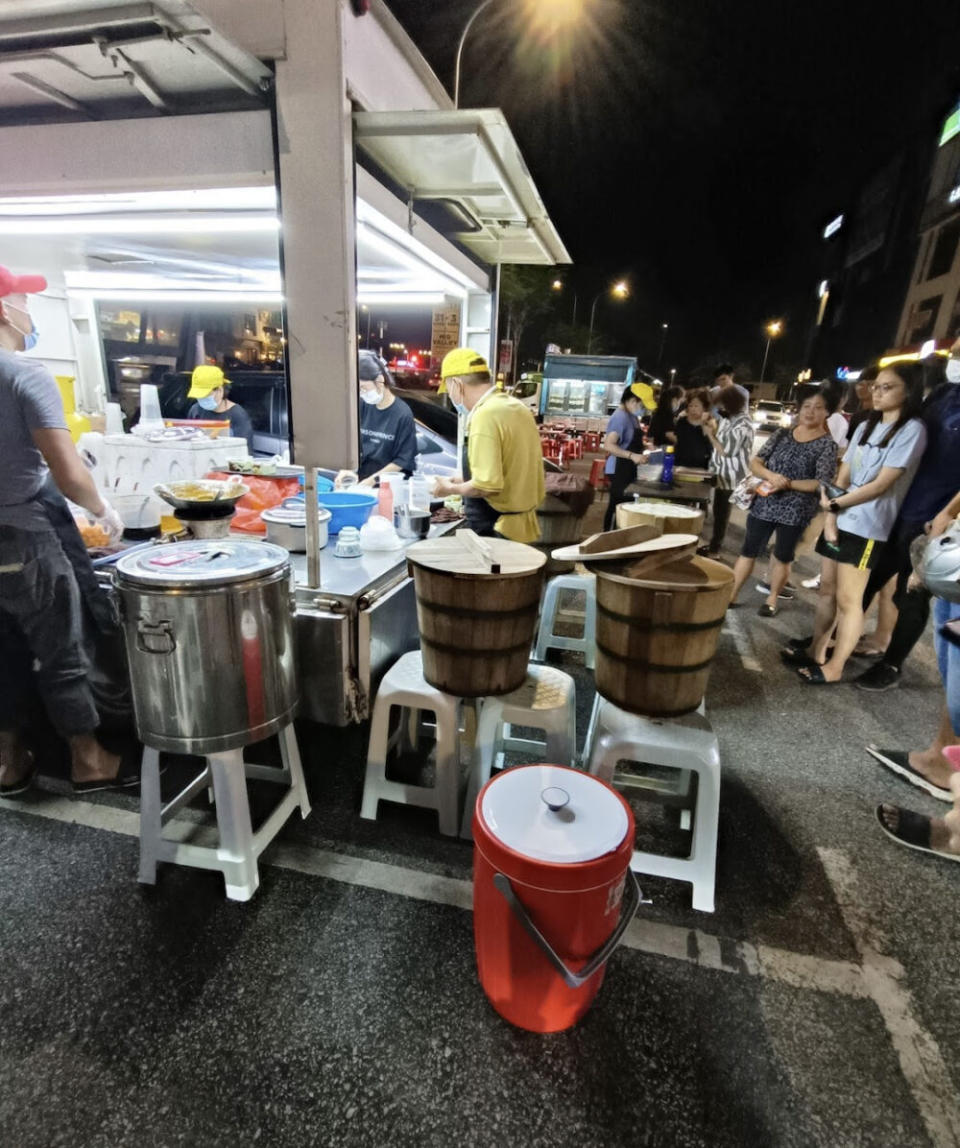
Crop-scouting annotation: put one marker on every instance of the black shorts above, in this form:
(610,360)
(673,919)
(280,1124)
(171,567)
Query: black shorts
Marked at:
(851,550)
(758,535)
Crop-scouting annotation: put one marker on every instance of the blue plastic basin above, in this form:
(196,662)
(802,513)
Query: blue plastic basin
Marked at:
(348,507)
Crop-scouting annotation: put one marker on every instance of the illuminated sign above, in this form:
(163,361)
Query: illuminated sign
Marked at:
(951,126)
(954,196)
(847,375)
(833,227)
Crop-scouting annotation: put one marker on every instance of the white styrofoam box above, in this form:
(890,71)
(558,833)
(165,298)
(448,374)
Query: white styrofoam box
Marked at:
(129,462)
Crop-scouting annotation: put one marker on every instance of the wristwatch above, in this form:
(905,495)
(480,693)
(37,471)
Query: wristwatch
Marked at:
(835,507)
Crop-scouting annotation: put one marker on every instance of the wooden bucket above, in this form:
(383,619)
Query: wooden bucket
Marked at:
(476,623)
(558,527)
(668,517)
(657,634)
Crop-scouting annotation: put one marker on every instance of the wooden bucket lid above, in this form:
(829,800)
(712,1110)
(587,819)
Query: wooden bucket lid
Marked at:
(466,554)
(666,546)
(686,574)
(661,509)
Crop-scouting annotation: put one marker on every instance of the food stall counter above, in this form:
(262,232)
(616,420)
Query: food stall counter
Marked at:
(351,629)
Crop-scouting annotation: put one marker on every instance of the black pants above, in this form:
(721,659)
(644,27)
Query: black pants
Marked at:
(40,629)
(913,605)
(621,478)
(721,518)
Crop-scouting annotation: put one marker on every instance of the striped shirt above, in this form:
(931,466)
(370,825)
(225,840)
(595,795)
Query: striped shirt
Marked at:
(735,435)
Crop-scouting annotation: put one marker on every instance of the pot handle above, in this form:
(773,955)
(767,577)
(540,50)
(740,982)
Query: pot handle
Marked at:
(155,637)
(601,956)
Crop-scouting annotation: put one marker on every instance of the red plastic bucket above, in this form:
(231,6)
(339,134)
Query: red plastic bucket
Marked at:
(552,850)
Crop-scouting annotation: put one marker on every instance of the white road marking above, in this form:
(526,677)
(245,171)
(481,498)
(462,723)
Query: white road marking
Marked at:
(656,938)
(920,1059)
(741,639)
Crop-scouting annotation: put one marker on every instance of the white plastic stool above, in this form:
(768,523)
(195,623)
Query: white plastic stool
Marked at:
(547,639)
(547,700)
(238,847)
(404,685)
(687,744)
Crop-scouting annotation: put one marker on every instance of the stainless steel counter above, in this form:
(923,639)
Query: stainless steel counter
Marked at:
(352,628)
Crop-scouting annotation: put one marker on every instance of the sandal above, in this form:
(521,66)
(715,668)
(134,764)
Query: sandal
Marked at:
(793,657)
(861,651)
(913,832)
(768,611)
(813,676)
(898,762)
(15,788)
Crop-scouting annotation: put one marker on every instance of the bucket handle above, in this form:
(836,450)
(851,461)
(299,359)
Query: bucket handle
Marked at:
(601,956)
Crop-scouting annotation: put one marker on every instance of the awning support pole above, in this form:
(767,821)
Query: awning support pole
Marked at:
(313,527)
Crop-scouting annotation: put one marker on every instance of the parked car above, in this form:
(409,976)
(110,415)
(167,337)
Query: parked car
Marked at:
(769,415)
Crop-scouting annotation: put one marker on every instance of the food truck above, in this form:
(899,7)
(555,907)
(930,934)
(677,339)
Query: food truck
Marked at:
(240,177)
(584,387)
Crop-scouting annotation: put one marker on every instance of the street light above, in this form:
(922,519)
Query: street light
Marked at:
(664,327)
(557,285)
(552,14)
(618,291)
(774,328)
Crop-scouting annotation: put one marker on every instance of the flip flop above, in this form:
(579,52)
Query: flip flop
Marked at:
(25,782)
(899,763)
(768,611)
(868,653)
(812,675)
(791,656)
(913,832)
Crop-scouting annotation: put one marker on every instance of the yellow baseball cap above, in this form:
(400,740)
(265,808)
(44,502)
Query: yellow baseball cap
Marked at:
(644,393)
(205,378)
(463,361)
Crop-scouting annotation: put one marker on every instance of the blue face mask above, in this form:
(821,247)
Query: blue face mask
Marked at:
(208,402)
(29,337)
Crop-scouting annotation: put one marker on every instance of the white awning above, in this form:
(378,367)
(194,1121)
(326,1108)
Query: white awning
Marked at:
(470,160)
(70,60)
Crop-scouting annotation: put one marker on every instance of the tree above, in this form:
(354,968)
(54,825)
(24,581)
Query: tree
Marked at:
(575,338)
(525,293)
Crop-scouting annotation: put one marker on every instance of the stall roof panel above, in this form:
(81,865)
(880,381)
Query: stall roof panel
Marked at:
(469,159)
(108,59)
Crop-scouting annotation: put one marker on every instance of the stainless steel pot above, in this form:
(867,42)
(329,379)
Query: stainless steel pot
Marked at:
(287,525)
(209,636)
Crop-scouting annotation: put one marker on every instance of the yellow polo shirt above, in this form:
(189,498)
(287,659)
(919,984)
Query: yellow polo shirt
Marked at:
(506,463)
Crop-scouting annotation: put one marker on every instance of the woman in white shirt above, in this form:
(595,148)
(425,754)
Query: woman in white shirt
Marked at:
(881,460)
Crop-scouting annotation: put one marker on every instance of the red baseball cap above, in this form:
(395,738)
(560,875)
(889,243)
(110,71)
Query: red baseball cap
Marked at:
(11,284)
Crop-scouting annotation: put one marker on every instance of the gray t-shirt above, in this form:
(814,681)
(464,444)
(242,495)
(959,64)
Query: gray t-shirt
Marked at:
(866,459)
(29,401)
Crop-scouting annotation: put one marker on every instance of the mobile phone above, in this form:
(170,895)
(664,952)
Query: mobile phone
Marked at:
(951,631)
(832,490)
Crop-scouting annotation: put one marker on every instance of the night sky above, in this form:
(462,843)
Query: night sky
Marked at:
(698,147)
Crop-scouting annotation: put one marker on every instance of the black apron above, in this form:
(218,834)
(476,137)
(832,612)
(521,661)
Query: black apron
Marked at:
(481,517)
(103,636)
(625,469)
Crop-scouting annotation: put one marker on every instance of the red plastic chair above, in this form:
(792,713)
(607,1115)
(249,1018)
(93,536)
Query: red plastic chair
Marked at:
(598,480)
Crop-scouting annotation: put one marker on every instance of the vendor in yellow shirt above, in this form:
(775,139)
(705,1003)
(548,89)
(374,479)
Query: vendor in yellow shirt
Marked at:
(502,462)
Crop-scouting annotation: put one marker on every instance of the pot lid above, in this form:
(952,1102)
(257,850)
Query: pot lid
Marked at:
(692,574)
(209,562)
(546,813)
(294,515)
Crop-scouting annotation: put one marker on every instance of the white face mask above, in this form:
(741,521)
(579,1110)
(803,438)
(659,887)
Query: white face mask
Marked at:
(953,370)
(372,396)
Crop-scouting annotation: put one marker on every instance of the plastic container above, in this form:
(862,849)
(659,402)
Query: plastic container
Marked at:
(114,419)
(666,474)
(552,891)
(385,502)
(347,507)
(150,417)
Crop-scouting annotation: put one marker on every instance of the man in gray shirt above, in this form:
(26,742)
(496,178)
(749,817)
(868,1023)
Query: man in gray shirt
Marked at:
(39,597)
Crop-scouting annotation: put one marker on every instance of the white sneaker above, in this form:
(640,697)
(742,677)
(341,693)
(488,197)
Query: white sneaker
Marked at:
(811,583)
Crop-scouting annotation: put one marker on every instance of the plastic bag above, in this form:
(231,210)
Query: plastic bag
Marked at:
(264,494)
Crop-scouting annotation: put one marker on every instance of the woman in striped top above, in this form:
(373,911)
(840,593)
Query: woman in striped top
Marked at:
(732,442)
